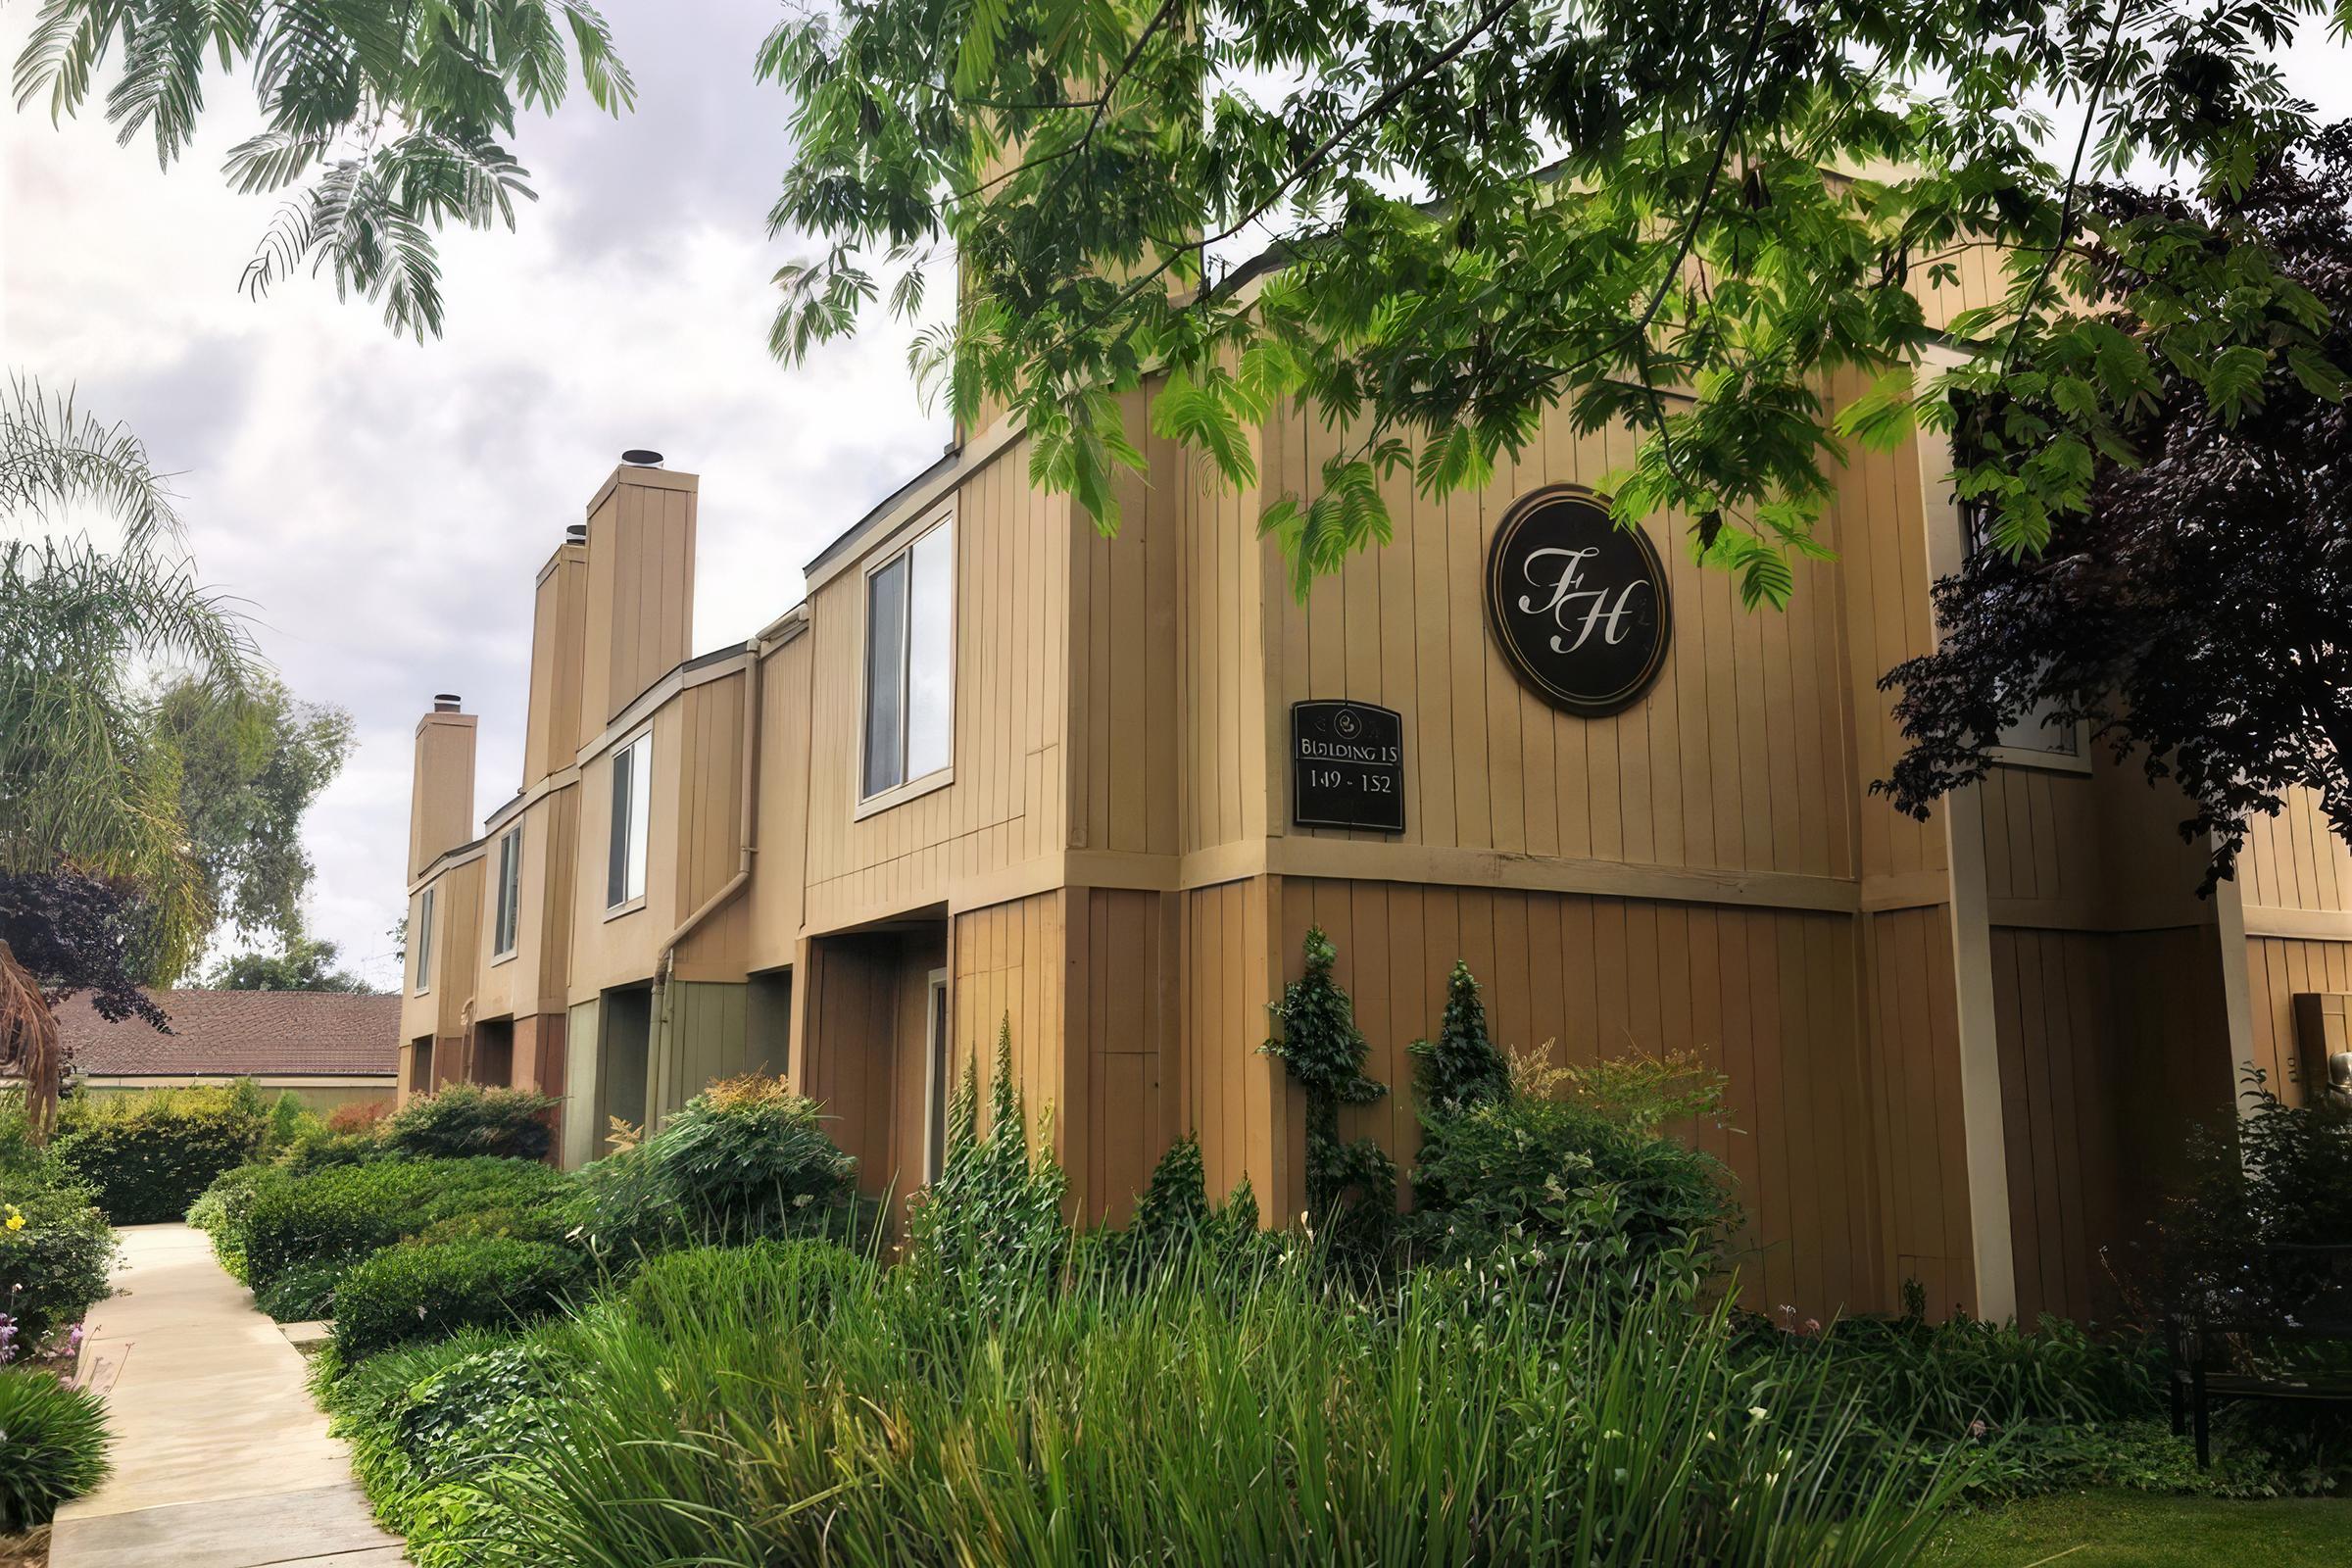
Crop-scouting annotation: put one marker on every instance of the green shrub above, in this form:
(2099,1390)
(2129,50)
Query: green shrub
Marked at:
(463,1120)
(429,1289)
(148,1155)
(53,1443)
(303,1295)
(1960,1377)
(989,1232)
(225,1209)
(1568,1188)
(746,1158)
(315,1149)
(346,1211)
(2262,1189)
(55,1265)
(290,1122)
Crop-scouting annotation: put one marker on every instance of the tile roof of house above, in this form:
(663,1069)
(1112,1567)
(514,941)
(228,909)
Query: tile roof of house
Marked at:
(238,1033)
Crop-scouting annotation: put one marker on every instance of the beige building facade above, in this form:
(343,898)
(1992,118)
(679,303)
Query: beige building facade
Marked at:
(996,766)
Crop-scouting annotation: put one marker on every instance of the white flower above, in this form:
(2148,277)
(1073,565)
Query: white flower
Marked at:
(1757,1412)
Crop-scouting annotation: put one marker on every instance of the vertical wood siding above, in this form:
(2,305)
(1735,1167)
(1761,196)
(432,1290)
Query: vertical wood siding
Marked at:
(2278,967)
(1915,1060)
(2295,861)
(1738,759)
(1007,803)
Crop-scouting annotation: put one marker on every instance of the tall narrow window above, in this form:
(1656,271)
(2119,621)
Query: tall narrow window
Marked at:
(421,941)
(938,1088)
(632,783)
(910,663)
(504,920)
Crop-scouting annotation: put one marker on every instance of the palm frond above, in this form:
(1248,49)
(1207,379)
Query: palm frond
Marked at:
(52,455)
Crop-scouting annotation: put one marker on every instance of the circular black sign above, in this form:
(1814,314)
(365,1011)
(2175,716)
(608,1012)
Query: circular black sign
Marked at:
(1578,603)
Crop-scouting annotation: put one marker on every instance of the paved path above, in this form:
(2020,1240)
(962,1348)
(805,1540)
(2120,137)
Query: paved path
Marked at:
(221,1458)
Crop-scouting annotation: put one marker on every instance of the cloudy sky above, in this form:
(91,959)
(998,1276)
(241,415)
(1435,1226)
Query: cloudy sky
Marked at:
(383,504)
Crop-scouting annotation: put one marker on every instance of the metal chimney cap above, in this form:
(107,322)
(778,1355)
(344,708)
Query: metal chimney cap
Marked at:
(642,458)
(577,533)
(445,701)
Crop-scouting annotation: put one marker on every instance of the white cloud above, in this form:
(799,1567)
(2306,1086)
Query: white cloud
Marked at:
(383,504)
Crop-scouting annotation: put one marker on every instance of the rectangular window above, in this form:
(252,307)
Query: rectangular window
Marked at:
(421,940)
(632,783)
(510,893)
(910,663)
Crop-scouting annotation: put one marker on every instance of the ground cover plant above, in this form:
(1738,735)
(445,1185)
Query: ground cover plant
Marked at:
(52,1442)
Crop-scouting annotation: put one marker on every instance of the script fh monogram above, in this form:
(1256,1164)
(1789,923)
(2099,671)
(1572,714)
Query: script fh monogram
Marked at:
(1572,605)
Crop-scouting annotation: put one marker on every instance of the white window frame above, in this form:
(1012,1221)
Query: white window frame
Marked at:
(506,901)
(638,846)
(938,1072)
(421,944)
(906,789)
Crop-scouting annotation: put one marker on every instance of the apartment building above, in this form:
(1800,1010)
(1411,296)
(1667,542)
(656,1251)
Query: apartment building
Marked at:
(998,767)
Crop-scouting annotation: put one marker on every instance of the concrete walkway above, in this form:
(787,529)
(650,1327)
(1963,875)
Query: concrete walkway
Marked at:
(221,1458)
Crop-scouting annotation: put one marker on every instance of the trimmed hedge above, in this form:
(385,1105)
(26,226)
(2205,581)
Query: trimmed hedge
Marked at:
(463,1120)
(148,1155)
(52,1442)
(431,1290)
(346,1211)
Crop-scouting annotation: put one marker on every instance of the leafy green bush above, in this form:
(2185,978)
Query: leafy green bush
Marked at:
(428,1290)
(53,1443)
(148,1155)
(989,1232)
(346,1211)
(1960,1377)
(223,1210)
(57,1257)
(315,1149)
(746,1158)
(463,1120)
(1571,1188)
(303,1293)
(2264,1191)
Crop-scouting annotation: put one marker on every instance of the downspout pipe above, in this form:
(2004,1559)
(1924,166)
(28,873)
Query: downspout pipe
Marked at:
(733,887)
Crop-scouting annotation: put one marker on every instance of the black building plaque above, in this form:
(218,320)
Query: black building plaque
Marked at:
(1578,604)
(1346,767)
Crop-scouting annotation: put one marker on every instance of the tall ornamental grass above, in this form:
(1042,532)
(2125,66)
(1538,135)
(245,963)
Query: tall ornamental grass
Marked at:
(791,1405)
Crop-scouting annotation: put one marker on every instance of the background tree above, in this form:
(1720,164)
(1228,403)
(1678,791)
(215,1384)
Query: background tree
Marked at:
(1469,212)
(304,964)
(385,122)
(2199,615)
(250,767)
(90,793)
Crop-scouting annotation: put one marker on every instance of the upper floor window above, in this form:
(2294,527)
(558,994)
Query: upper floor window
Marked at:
(505,917)
(421,942)
(632,785)
(909,661)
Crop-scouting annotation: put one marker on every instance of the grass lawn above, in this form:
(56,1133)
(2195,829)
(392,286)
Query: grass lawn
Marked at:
(2131,1529)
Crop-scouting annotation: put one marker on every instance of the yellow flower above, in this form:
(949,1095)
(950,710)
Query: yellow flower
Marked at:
(16,1221)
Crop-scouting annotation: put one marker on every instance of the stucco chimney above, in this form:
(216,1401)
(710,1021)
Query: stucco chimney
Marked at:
(639,610)
(441,795)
